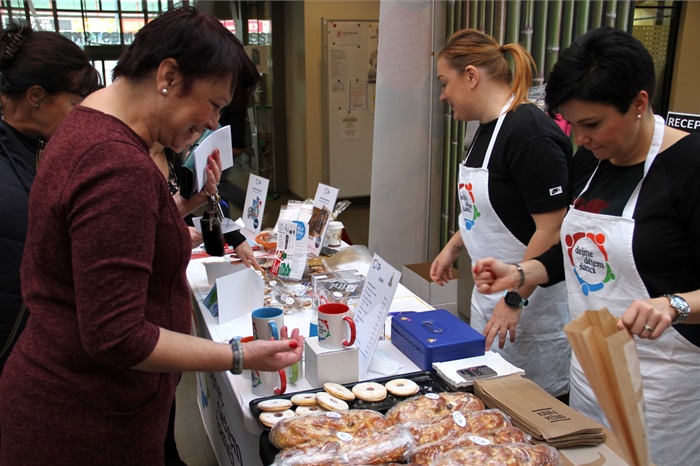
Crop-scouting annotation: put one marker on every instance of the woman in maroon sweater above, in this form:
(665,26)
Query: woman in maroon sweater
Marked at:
(92,377)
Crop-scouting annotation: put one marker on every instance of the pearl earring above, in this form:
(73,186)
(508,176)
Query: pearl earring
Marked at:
(164,91)
(639,117)
(36,106)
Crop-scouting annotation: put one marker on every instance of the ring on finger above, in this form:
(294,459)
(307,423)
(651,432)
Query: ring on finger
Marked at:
(649,329)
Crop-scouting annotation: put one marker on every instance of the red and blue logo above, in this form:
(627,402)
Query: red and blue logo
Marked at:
(466,201)
(587,254)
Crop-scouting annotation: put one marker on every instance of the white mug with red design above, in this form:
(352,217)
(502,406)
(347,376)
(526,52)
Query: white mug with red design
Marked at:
(336,328)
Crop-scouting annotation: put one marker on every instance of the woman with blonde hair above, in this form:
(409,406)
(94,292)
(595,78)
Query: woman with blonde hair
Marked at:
(512,195)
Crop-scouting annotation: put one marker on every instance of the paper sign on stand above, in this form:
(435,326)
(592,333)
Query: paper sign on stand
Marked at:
(254,206)
(239,293)
(324,202)
(218,269)
(291,253)
(219,139)
(373,308)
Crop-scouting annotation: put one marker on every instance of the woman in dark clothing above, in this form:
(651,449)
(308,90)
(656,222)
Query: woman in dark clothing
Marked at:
(92,377)
(42,76)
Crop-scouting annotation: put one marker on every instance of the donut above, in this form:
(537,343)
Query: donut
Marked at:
(402,387)
(269,419)
(339,391)
(274,405)
(304,410)
(304,399)
(331,403)
(369,391)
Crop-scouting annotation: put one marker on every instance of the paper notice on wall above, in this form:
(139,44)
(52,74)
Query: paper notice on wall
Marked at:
(373,307)
(358,95)
(339,64)
(350,127)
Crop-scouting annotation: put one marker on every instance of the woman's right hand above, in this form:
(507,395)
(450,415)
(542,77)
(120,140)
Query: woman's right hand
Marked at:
(491,275)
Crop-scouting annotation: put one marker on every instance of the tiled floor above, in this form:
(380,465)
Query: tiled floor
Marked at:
(192,441)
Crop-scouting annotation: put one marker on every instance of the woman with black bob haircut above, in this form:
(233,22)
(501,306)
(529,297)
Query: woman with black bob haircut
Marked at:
(92,378)
(42,76)
(631,239)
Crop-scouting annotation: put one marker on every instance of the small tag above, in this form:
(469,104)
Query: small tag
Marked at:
(344,436)
(459,419)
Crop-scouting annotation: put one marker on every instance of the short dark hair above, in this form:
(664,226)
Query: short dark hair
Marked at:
(605,65)
(43,58)
(198,42)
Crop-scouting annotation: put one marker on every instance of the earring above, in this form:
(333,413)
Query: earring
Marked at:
(164,91)
(639,117)
(36,106)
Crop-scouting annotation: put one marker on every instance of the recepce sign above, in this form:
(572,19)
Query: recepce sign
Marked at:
(684,121)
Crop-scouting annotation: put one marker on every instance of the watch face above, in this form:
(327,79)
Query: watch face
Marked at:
(513,299)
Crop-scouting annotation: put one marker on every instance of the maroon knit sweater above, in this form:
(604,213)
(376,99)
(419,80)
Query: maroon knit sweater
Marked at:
(103,269)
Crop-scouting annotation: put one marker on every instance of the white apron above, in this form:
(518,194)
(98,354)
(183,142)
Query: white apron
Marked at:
(601,272)
(541,348)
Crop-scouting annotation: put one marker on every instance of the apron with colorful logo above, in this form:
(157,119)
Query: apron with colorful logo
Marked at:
(601,272)
(541,348)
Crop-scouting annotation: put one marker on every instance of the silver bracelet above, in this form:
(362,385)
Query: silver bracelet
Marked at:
(237,348)
(522,276)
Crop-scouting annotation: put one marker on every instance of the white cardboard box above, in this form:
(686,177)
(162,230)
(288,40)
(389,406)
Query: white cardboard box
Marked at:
(416,277)
(323,365)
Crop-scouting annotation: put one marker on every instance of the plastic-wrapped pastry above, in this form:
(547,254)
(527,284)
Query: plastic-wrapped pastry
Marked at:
(463,402)
(424,454)
(295,430)
(500,455)
(365,447)
(456,424)
(418,408)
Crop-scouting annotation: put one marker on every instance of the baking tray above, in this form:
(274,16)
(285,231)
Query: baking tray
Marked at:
(428,382)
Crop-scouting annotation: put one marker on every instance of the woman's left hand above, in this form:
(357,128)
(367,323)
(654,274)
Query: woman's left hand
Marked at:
(214,169)
(273,355)
(504,321)
(247,256)
(647,318)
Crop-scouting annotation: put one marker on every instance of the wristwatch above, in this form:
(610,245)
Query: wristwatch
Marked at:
(514,300)
(680,305)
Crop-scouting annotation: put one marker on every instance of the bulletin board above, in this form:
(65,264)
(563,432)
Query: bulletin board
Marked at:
(349,85)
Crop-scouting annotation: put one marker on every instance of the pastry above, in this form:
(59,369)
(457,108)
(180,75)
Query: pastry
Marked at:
(304,399)
(419,407)
(300,429)
(369,391)
(339,391)
(269,419)
(331,403)
(304,410)
(402,387)
(274,405)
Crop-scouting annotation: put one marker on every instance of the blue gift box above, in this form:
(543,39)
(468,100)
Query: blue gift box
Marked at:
(434,336)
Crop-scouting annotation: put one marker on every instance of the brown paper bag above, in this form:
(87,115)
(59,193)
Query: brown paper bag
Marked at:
(538,413)
(609,359)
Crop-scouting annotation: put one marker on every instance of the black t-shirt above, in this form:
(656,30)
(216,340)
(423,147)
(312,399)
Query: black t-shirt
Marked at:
(666,242)
(528,167)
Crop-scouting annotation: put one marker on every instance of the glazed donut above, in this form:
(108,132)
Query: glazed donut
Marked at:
(269,419)
(402,387)
(304,399)
(339,391)
(369,391)
(331,403)
(274,405)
